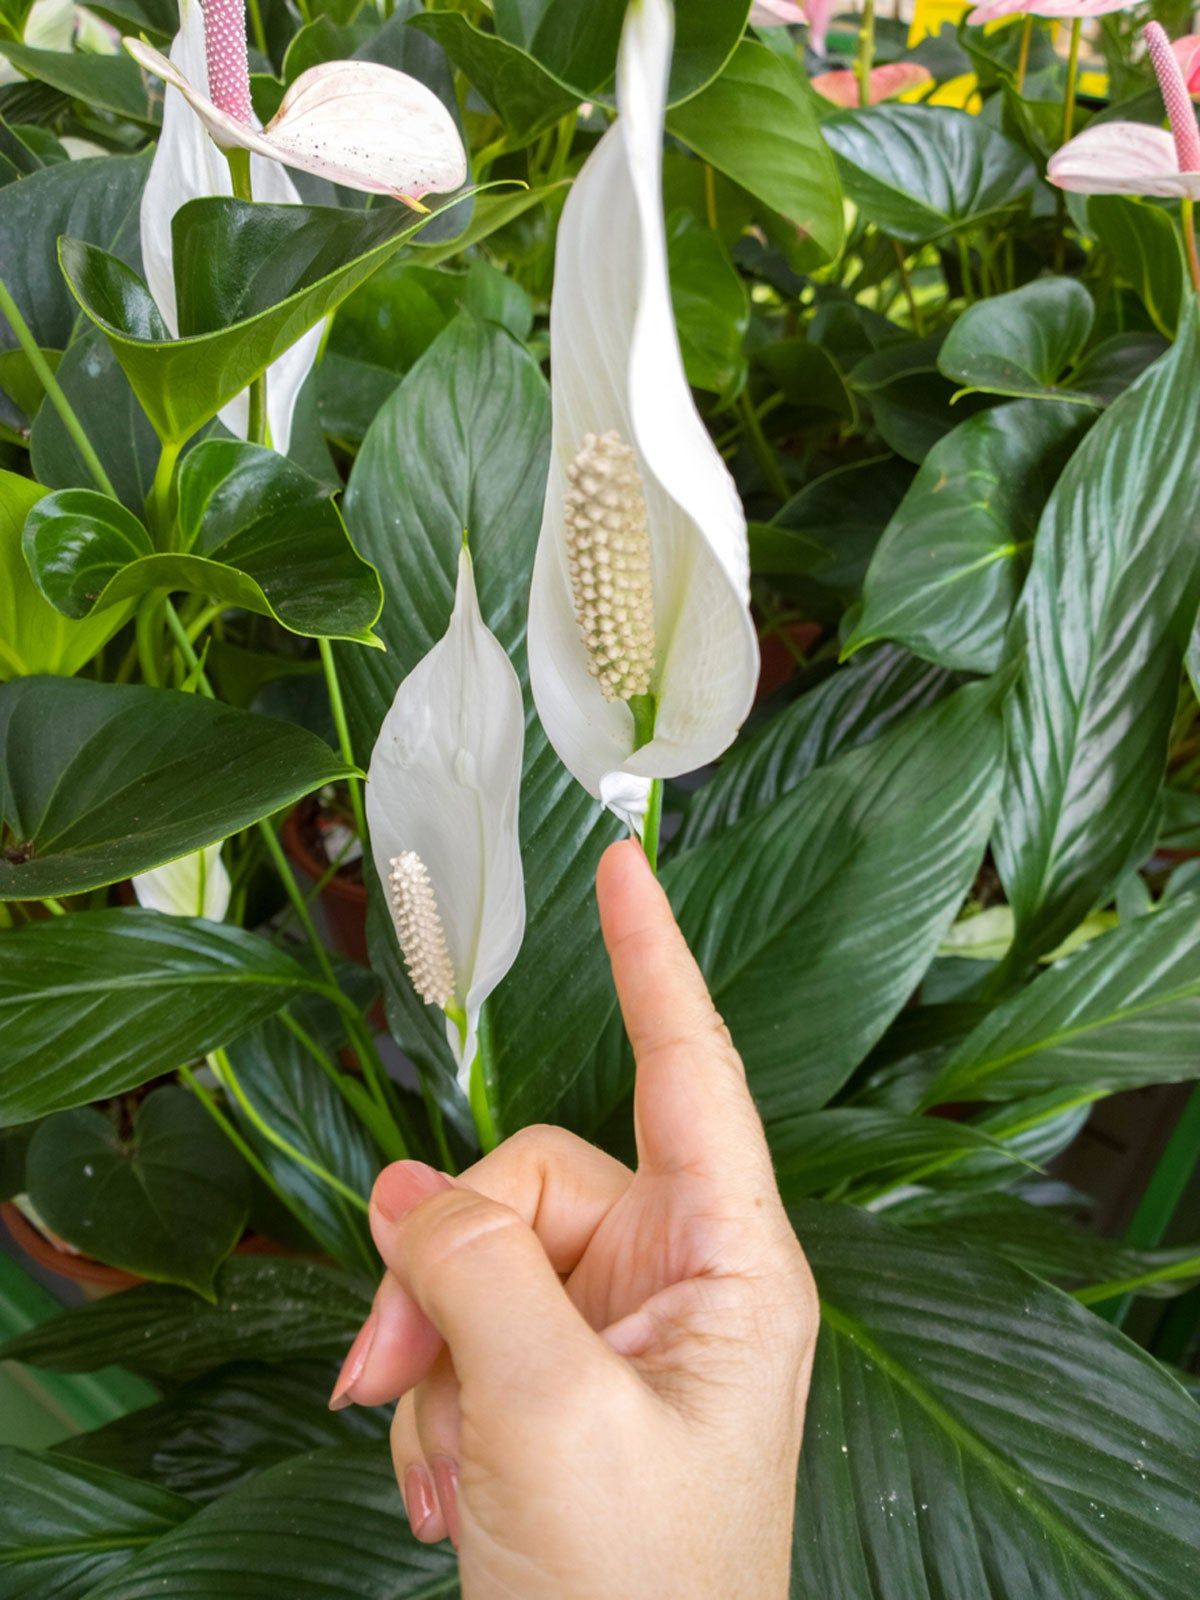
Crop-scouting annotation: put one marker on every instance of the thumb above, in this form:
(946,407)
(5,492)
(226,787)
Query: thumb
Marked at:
(483,1279)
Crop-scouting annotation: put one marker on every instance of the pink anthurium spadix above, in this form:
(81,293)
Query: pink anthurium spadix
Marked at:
(196,885)
(353,122)
(443,792)
(886,83)
(643,657)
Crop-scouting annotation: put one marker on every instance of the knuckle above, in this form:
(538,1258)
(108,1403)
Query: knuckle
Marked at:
(453,1224)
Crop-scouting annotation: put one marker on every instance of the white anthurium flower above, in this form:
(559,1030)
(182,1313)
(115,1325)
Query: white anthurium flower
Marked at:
(443,791)
(187,166)
(643,657)
(195,885)
(352,122)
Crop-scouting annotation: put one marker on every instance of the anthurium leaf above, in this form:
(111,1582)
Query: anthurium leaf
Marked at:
(346,1535)
(712,308)
(1120,1012)
(268,1308)
(20,382)
(214,1433)
(1100,632)
(968,1423)
(100,1001)
(105,82)
(34,636)
(922,172)
(756,124)
(1108,369)
(947,571)
(520,90)
(912,404)
(1020,343)
(852,707)
(168,1201)
(103,780)
(1141,239)
(250,280)
(829,903)
(65,1524)
(842,513)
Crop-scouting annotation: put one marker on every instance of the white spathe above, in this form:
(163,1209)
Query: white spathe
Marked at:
(187,166)
(444,782)
(616,365)
(195,885)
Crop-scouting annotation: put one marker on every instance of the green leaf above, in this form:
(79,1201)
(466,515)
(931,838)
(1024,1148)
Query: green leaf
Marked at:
(105,83)
(34,637)
(210,1436)
(712,308)
(852,707)
(475,411)
(912,404)
(1020,343)
(1118,1013)
(839,517)
(828,905)
(527,97)
(807,376)
(168,1202)
(104,780)
(971,1429)
(298,263)
(101,1001)
(1142,240)
(64,1525)
(923,172)
(756,124)
(1108,369)
(268,1308)
(20,382)
(346,1535)
(1100,631)
(947,572)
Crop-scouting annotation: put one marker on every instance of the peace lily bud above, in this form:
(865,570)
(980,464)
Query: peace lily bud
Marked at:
(643,658)
(443,790)
(352,122)
(187,165)
(196,885)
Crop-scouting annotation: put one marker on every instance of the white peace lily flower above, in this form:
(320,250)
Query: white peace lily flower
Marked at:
(187,166)
(443,790)
(196,885)
(352,122)
(638,614)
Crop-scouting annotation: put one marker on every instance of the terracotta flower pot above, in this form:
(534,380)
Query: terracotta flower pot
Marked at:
(778,662)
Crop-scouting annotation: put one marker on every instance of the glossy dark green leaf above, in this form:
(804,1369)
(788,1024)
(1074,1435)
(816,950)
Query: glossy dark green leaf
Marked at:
(817,1151)
(1120,1012)
(106,82)
(64,1525)
(250,280)
(712,308)
(1141,239)
(923,172)
(815,918)
(852,707)
(842,514)
(100,1001)
(1100,632)
(103,780)
(325,1526)
(807,376)
(756,124)
(268,1308)
(947,571)
(167,1201)
(912,404)
(975,1434)
(1021,343)
(214,1433)
(1108,369)
(20,382)
(474,411)
(523,93)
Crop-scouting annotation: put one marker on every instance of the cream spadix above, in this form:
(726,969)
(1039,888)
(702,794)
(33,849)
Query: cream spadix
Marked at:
(443,791)
(644,663)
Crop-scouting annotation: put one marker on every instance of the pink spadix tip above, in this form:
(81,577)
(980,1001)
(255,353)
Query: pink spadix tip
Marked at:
(1175,97)
(225,52)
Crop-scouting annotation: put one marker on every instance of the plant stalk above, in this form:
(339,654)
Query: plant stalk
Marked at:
(1068,121)
(257,429)
(866,53)
(763,454)
(1023,58)
(338,706)
(1187,221)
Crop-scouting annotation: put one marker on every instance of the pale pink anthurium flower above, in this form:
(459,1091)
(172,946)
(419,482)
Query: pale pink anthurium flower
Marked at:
(643,656)
(887,83)
(786,13)
(1063,10)
(1187,53)
(1132,157)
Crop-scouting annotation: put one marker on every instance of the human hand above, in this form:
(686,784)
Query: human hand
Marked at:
(603,1373)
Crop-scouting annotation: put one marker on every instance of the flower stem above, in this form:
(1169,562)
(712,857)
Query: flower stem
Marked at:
(247,1152)
(1068,122)
(256,427)
(338,706)
(1023,58)
(763,454)
(54,391)
(158,504)
(482,1086)
(652,823)
(1187,221)
(964,262)
(914,310)
(866,53)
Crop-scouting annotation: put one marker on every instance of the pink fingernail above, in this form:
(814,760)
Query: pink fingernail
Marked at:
(445,1475)
(356,1360)
(403,1185)
(419,1504)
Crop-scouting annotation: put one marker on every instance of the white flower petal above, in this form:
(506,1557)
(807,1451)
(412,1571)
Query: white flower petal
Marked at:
(1122,158)
(616,365)
(444,781)
(195,885)
(228,133)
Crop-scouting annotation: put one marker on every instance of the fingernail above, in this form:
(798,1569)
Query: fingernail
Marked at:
(403,1185)
(418,1498)
(445,1475)
(356,1360)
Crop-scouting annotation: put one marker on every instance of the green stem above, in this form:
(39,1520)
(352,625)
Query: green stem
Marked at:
(338,707)
(257,430)
(54,907)
(1097,1292)
(866,53)
(1068,121)
(158,504)
(652,823)
(1023,58)
(482,1086)
(710,197)
(1187,221)
(763,454)
(256,27)
(562,147)
(914,310)
(964,263)
(146,638)
(54,391)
